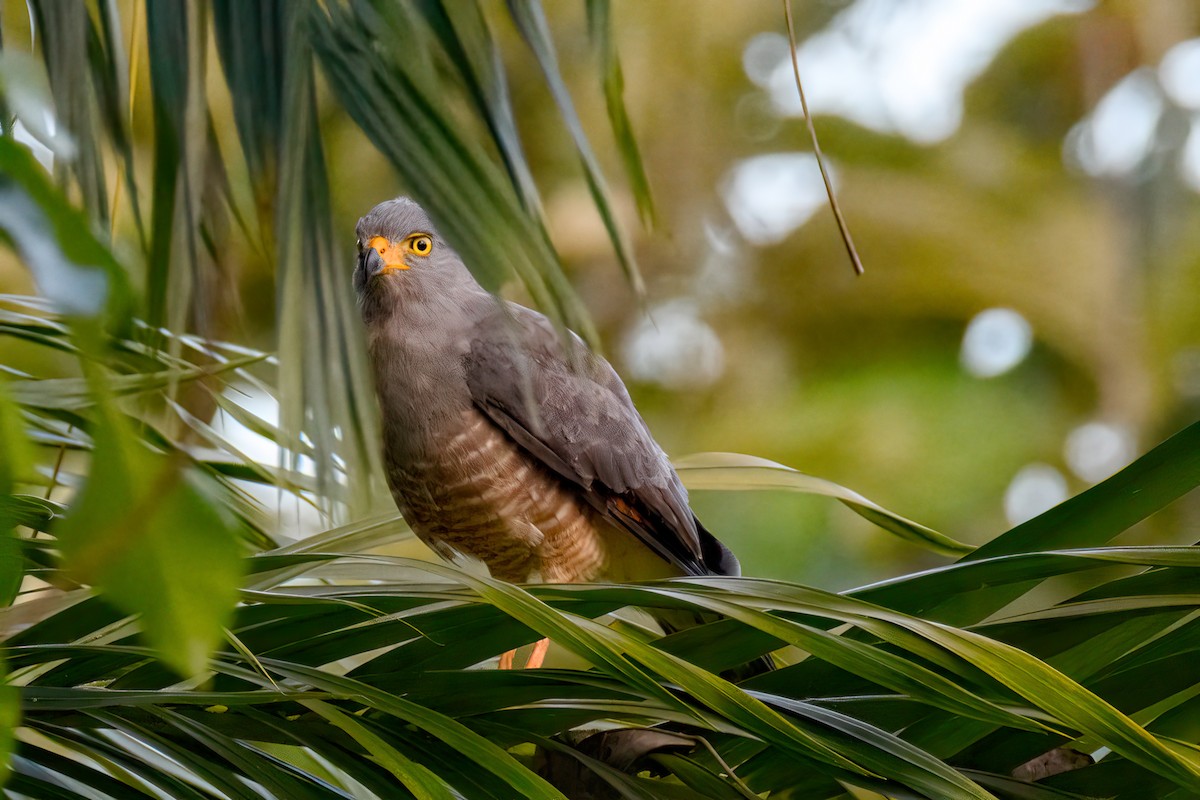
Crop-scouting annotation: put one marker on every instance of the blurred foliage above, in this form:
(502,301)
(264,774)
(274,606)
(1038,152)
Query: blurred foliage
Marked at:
(191,356)
(855,380)
(859,380)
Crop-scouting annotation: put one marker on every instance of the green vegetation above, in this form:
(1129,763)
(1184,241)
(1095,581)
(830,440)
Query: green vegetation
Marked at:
(162,637)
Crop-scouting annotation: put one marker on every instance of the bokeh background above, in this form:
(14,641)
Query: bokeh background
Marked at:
(1021,180)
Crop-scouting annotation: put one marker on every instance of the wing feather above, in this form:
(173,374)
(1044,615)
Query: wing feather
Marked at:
(575,417)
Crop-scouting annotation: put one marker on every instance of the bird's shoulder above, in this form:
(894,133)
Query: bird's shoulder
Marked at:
(511,346)
(564,404)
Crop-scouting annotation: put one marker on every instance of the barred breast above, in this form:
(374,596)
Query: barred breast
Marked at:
(481,496)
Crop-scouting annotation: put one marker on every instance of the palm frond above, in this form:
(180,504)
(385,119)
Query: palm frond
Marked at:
(164,645)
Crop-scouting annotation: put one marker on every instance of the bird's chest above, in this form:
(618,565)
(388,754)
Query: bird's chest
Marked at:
(470,490)
(465,487)
(454,470)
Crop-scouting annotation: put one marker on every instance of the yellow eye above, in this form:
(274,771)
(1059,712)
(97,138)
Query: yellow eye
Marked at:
(420,244)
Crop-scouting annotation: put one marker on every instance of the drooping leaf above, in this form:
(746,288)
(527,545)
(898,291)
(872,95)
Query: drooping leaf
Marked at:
(173,38)
(66,29)
(10,717)
(737,472)
(15,462)
(875,665)
(1166,473)
(531,22)
(380,82)
(609,648)
(154,536)
(600,28)
(463,33)
(417,778)
(109,69)
(318,310)
(55,241)
(269,65)
(1159,477)
(252,42)
(1036,681)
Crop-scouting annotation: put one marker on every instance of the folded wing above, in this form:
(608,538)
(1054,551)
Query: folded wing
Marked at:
(573,414)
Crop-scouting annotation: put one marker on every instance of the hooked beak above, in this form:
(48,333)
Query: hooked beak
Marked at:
(382,257)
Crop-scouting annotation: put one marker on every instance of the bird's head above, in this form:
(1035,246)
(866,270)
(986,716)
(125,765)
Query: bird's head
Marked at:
(402,258)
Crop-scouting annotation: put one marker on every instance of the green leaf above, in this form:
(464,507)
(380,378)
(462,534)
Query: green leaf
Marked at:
(1020,790)
(279,778)
(314,287)
(627,786)
(12,563)
(607,648)
(356,537)
(922,591)
(1025,675)
(877,666)
(29,511)
(485,754)
(1152,604)
(55,241)
(887,754)
(600,27)
(251,40)
(16,458)
(153,534)
(1053,691)
(15,462)
(109,67)
(66,30)
(157,762)
(531,22)
(415,777)
(737,472)
(470,49)
(380,81)
(174,39)
(1166,473)
(77,393)
(10,718)
(693,775)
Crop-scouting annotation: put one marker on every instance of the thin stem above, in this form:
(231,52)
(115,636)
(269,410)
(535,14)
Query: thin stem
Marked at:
(738,783)
(855,261)
(62,451)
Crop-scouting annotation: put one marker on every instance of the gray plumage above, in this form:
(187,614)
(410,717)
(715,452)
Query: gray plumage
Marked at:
(500,447)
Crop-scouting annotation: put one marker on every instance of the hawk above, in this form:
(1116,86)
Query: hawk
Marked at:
(502,445)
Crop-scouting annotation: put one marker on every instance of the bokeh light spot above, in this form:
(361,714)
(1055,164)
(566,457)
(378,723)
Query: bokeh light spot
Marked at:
(1096,450)
(1035,489)
(1190,158)
(762,55)
(770,196)
(995,341)
(903,67)
(756,118)
(1179,71)
(674,348)
(1118,135)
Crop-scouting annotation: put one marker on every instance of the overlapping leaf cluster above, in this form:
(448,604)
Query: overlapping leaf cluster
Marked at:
(163,645)
(349,674)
